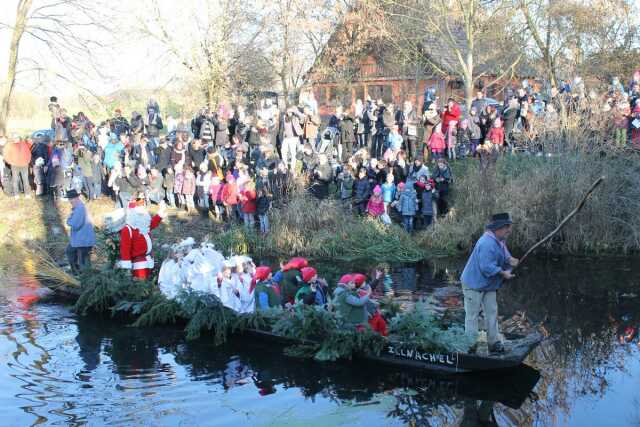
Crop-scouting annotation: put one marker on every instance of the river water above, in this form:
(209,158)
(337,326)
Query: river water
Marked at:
(59,369)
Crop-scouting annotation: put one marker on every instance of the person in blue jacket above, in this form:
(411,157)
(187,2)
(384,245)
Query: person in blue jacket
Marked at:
(82,237)
(488,266)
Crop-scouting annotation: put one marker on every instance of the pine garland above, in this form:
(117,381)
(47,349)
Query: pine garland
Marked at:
(420,327)
(104,290)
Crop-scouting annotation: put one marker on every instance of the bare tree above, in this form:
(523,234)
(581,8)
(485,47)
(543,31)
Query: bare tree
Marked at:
(467,32)
(216,43)
(65,30)
(565,33)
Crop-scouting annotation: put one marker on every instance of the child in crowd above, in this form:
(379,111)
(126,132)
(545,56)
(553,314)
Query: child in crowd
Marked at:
(436,142)
(248,199)
(463,139)
(156,191)
(361,192)
(407,205)
(168,183)
(452,132)
(496,135)
(263,204)
(346,186)
(215,193)
(388,192)
(55,178)
(230,196)
(189,189)
(375,206)
(427,199)
(203,183)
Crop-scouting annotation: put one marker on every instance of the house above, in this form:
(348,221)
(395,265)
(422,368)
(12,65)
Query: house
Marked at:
(344,73)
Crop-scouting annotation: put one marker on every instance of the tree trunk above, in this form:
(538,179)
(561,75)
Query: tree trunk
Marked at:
(18,31)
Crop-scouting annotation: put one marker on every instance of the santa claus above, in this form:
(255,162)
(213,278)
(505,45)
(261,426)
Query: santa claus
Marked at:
(135,242)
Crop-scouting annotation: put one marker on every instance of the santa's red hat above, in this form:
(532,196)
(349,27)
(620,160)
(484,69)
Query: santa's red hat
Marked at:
(359,279)
(308,273)
(262,272)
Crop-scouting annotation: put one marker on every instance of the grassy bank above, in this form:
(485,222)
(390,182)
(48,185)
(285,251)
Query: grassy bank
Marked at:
(539,192)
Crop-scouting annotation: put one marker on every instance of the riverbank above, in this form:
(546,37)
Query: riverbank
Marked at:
(538,192)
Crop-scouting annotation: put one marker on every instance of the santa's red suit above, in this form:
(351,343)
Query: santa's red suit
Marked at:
(135,242)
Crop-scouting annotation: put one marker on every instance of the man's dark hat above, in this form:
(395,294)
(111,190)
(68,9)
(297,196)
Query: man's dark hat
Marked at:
(499,220)
(72,194)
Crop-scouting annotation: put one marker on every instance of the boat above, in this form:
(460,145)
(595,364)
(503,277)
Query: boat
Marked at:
(405,355)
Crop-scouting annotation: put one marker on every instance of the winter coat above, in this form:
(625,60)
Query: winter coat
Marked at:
(496,136)
(222,132)
(463,136)
(474,128)
(180,156)
(189,184)
(40,150)
(436,142)
(86,163)
(361,190)
(263,203)
(388,192)
(178,182)
(421,171)
(197,155)
(163,156)
(82,234)
(445,174)
(18,153)
(346,187)
(427,202)
(350,306)
(230,194)
(215,192)
(266,296)
(207,130)
(154,124)
(347,134)
(112,153)
(375,206)
(407,205)
(249,202)
(55,176)
(310,126)
(450,116)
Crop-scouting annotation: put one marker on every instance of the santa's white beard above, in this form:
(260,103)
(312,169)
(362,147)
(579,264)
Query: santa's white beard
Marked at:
(139,219)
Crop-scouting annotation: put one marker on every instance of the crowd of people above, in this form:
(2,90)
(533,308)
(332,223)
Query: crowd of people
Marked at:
(385,162)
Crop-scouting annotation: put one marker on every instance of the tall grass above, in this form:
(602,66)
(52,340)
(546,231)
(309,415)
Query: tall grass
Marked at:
(539,192)
(323,230)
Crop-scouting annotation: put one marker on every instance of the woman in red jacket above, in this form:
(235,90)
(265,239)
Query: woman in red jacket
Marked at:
(450,114)
(248,199)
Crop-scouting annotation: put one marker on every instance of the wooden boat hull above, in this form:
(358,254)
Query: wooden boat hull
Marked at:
(407,356)
(404,355)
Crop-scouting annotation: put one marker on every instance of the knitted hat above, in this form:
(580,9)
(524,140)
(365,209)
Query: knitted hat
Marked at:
(262,272)
(346,279)
(308,273)
(377,189)
(359,279)
(295,264)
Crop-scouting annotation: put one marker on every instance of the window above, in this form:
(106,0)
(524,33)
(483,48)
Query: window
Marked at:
(383,92)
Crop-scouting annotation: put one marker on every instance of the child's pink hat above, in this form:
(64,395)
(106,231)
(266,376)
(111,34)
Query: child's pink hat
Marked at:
(377,190)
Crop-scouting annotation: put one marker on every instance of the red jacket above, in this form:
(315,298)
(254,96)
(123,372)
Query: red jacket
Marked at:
(230,194)
(18,154)
(496,136)
(249,201)
(449,116)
